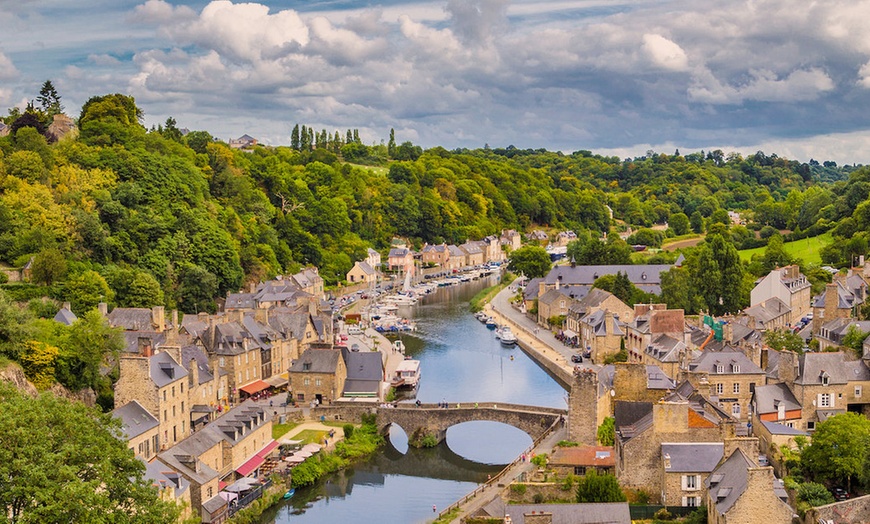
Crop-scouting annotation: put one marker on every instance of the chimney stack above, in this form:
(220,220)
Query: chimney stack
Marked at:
(103,308)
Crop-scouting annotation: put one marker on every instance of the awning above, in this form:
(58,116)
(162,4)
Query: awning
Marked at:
(568,333)
(201,408)
(254,387)
(278,380)
(249,466)
(268,449)
(257,460)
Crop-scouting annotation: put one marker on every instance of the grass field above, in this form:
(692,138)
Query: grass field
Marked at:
(806,249)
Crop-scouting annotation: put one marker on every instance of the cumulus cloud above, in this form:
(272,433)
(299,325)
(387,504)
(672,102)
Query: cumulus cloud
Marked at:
(864,75)
(160,12)
(7,68)
(665,53)
(477,21)
(764,86)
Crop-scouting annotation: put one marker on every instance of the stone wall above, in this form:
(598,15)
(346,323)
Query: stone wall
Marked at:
(548,491)
(853,511)
(583,408)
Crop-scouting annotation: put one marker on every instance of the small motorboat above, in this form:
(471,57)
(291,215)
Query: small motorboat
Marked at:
(290,493)
(491,323)
(507,337)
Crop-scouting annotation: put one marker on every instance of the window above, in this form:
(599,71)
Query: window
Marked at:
(165,415)
(240,376)
(720,388)
(811,426)
(735,368)
(222,362)
(246,358)
(690,482)
(307,381)
(182,387)
(173,391)
(579,470)
(300,397)
(182,406)
(825,400)
(164,395)
(735,409)
(858,391)
(317,382)
(825,379)
(210,494)
(735,388)
(720,368)
(173,411)
(691,502)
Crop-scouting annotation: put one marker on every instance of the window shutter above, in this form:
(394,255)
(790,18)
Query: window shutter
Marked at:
(684,484)
(685,501)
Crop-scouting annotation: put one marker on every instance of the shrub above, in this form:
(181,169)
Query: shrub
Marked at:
(429,441)
(663,514)
(814,494)
(538,498)
(348,431)
(540,460)
(519,489)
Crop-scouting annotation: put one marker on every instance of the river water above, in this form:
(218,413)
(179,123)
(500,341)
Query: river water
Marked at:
(461,362)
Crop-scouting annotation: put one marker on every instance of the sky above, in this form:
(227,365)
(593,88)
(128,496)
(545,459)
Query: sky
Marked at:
(615,77)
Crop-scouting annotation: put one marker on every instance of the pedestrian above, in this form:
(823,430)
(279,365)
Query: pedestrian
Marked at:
(434,509)
(270,403)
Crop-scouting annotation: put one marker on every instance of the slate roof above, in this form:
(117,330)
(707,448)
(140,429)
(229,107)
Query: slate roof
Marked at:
(65,317)
(316,361)
(290,323)
(200,359)
(847,298)
(729,359)
(364,365)
(665,348)
(835,330)
(225,339)
(552,296)
(163,476)
(240,301)
(456,251)
(131,339)
(365,267)
(768,397)
(471,247)
(729,481)
(131,318)
(767,311)
(593,298)
(646,277)
(398,252)
(776,428)
(164,369)
(530,292)
(691,457)
(835,365)
(135,419)
(597,321)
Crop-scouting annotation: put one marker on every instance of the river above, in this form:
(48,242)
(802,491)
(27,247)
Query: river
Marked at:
(461,362)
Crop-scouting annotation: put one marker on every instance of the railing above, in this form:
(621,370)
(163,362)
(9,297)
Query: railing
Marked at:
(243,502)
(494,479)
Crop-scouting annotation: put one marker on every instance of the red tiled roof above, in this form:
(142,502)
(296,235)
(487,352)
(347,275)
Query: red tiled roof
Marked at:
(697,421)
(600,456)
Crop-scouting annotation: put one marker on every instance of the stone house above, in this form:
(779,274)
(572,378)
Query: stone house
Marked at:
(581,459)
(366,373)
(474,255)
(65,315)
(539,236)
(207,390)
(159,383)
(657,336)
(435,255)
(243,142)
(775,403)
(601,335)
(232,446)
(309,281)
(373,258)
(739,491)
(564,237)
(626,381)
(788,285)
(771,314)
(824,384)
(727,378)
(235,352)
(362,272)
(400,258)
(833,332)
(141,429)
(170,485)
(642,427)
(318,375)
(553,303)
(510,239)
(646,277)
(457,258)
(841,299)
(492,249)
(685,466)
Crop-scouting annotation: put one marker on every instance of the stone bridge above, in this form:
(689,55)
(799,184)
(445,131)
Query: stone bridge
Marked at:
(432,420)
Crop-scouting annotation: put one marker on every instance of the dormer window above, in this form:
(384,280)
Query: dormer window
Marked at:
(720,368)
(825,378)
(735,367)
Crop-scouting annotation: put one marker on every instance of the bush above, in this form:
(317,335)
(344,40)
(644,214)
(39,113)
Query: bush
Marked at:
(814,494)
(538,498)
(539,460)
(519,489)
(348,431)
(663,514)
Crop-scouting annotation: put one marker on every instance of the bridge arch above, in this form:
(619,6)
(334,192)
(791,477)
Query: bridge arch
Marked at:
(427,421)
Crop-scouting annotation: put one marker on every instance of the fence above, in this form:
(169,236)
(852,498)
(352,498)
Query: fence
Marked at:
(243,502)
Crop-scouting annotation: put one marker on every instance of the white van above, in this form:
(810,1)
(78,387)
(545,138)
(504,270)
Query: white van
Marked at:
(354,330)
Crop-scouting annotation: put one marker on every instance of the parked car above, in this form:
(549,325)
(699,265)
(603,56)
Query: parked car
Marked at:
(354,347)
(840,494)
(576,358)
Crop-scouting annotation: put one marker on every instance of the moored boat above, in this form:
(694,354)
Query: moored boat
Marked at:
(290,493)
(491,323)
(507,337)
(407,374)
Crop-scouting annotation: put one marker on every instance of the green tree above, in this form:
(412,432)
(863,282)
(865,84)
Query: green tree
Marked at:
(782,340)
(49,100)
(85,291)
(775,255)
(391,145)
(49,266)
(531,261)
(90,345)
(854,339)
(15,327)
(839,449)
(593,487)
(607,432)
(697,222)
(679,223)
(717,275)
(62,461)
(814,494)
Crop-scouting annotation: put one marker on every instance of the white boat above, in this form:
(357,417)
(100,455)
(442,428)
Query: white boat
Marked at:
(401,300)
(399,346)
(407,374)
(507,337)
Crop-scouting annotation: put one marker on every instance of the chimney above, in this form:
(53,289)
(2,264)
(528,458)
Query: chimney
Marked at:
(832,300)
(787,371)
(103,308)
(540,517)
(66,306)
(158,318)
(313,303)
(175,319)
(193,374)
(749,445)
(144,346)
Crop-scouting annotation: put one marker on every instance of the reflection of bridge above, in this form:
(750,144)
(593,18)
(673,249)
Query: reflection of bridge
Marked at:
(431,420)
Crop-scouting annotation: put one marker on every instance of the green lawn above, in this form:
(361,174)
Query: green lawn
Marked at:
(806,249)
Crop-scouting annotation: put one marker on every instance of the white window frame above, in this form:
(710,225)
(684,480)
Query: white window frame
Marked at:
(826,400)
(735,388)
(720,368)
(690,483)
(690,502)
(720,388)
(735,410)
